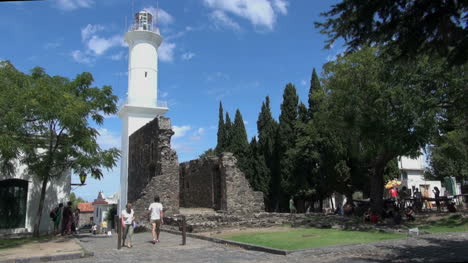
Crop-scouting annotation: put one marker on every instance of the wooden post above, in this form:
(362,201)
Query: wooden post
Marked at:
(118,228)
(184,230)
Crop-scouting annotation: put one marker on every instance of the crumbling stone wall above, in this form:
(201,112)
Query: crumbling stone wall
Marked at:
(240,198)
(199,183)
(217,183)
(153,168)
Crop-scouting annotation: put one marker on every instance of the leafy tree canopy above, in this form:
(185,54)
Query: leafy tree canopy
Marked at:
(46,122)
(412,27)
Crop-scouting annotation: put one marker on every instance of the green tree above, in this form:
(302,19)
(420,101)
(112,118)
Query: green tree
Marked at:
(425,27)
(227,134)
(260,178)
(75,200)
(285,140)
(448,156)
(51,130)
(267,130)
(240,145)
(221,130)
(315,93)
(385,107)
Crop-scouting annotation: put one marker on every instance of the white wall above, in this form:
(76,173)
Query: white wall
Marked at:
(58,191)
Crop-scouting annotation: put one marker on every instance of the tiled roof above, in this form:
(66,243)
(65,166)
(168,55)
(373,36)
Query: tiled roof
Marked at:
(85,207)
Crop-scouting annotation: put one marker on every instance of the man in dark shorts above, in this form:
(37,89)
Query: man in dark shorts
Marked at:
(155,211)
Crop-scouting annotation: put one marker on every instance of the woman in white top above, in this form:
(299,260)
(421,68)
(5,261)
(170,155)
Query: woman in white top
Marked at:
(127,224)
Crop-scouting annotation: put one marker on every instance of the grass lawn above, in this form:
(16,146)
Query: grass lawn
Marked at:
(308,238)
(454,223)
(16,242)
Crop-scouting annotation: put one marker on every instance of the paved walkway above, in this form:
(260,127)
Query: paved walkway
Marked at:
(451,247)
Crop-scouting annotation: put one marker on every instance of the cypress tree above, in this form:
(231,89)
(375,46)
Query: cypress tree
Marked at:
(315,93)
(239,141)
(285,141)
(221,130)
(227,134)
(260,178)
(266,127)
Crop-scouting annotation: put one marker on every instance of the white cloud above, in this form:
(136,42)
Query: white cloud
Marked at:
(180,131)
(81,57)
(164,18)
(73,4)
(303,82)
(281,6)
(200,131)
(99,45)
(222,20)
(262,13)
(96,45)
(166,51)
(188,55)
(89,30)
(108,139)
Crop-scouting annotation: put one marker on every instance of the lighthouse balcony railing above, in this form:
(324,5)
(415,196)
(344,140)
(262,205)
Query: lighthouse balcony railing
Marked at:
(154,103)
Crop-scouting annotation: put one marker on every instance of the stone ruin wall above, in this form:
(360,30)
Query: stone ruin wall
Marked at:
(153,168)
(214,182)
(217,182)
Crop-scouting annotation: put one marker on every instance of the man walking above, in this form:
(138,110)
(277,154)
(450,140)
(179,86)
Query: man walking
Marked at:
(155,211)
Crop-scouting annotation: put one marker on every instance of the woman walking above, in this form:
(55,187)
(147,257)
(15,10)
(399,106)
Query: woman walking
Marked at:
(127,219)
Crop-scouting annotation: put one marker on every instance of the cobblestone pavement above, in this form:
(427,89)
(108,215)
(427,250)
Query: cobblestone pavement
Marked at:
(452,247)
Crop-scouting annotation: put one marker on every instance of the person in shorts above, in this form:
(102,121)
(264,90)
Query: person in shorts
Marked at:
(156,213)
(127,218)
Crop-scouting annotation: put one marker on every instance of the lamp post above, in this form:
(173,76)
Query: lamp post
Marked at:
(82,176)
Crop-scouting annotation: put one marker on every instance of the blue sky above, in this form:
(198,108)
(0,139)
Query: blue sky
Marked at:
(236,51)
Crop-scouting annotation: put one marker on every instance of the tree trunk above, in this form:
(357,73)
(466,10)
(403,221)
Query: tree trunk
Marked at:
(376,189)
(37,220)
(320,204)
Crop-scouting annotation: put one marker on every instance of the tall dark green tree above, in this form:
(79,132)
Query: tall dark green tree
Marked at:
(239,145)
(260,179)
(315,93)
(51,130)
(227,134)
(286,137)
(238,134)
(267,130)
(221,130)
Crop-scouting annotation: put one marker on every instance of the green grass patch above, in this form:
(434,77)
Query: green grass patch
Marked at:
(454,223)
(309,237)
(16,242)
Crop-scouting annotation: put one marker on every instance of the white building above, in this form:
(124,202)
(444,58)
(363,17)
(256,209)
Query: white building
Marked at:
(19,201)
(141,105)
(102,205)
(412,176)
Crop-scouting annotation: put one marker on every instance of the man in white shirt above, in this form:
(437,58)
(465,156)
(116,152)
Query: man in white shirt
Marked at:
(155,211)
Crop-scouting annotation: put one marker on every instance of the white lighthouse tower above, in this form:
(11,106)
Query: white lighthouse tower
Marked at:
(141,105)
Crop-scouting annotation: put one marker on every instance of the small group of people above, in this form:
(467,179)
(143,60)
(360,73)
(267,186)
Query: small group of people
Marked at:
(155,214)
(65,219)
(402,197)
